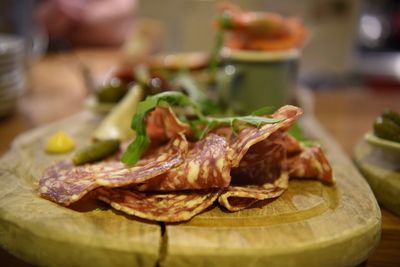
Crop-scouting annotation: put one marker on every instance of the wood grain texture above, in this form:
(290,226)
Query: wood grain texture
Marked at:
(310,225)
(46,234)
(382,173)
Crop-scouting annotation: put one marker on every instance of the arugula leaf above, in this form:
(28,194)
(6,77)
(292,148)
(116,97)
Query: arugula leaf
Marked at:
(200,126)
(142,141)
(235,122)
(256,120)
(136,149)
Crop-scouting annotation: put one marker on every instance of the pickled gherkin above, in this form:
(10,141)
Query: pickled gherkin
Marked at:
(393,116)
(387,129)
(96,151)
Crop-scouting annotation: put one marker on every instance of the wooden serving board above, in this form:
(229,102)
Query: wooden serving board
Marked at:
(310,225)
(47,234)
(382,173)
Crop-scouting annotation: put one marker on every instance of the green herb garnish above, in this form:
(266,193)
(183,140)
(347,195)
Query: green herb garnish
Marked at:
(236,123)
(200,124)
(142,141)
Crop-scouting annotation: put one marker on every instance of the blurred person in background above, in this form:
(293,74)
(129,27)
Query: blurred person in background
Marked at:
(86,22)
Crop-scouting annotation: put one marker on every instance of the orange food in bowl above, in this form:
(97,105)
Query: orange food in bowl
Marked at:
(249,30)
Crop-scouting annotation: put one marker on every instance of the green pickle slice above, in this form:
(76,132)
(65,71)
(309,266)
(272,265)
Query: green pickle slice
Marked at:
(96,151)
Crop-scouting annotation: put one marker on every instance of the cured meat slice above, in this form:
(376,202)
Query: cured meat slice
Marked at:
(312,164)
(250,136)
(262,163)
(206,166)
(162,125)
(155,162)
(175,180)
(65,183)
(240,197)
(259,157)
(292,146)
(166,207)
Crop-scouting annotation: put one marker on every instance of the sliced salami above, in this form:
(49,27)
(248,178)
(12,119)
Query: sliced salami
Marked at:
(176,179)
(241,143)
(293,147)
(206,166)
(263,163)
(311,164)
(166,207)
(154,163)
(65,183)
(240,197)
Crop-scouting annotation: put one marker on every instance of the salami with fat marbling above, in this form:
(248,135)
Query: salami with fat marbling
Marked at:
(166,207)
(176,179)
(66,183)
(206,165)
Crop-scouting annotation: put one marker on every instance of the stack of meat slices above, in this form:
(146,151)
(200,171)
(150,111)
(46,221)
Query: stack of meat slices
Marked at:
(177,179)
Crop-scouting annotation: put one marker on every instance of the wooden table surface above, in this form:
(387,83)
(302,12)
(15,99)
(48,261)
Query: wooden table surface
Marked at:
(56,90)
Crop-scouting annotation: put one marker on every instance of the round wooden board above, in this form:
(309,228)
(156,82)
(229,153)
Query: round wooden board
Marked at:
(382,173)
(310,225)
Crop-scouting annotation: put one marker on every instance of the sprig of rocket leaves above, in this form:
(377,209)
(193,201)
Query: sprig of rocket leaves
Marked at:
(200,124)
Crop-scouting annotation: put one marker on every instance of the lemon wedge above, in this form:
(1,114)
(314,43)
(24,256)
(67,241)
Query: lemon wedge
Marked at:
(60,142)
(117,124)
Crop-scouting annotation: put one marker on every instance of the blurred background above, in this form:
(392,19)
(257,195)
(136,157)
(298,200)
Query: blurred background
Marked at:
(350,41)
(51,49)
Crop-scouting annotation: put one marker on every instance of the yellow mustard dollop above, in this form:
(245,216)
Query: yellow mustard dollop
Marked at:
(60,142)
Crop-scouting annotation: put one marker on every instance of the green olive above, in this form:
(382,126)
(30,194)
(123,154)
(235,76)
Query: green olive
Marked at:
(112,92)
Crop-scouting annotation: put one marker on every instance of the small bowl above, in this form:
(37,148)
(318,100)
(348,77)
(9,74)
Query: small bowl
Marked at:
(260,78)
(390,148)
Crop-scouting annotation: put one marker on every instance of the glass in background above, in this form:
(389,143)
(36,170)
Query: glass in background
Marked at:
(378,46)
(20,42)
